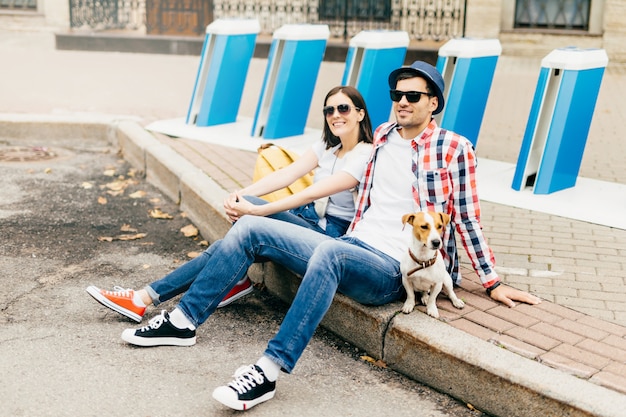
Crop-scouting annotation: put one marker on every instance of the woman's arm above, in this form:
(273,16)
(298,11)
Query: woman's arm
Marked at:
(284,176)
(337,182)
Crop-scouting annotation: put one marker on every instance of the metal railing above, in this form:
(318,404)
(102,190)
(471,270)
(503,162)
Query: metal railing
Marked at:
(435,20)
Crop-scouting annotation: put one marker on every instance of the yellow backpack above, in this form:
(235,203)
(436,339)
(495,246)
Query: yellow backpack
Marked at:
(272,158)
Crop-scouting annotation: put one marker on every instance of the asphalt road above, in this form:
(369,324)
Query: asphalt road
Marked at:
(64,225)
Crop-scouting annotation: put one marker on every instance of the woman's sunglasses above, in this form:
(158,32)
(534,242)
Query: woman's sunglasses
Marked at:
(411,96)
(343,109)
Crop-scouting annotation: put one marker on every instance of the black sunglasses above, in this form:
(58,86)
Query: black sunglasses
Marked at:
(341,108)
(411,96)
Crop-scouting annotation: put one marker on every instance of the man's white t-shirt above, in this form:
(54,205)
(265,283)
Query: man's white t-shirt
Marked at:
(391,198)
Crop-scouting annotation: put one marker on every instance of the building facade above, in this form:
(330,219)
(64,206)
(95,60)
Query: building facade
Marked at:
(524,27)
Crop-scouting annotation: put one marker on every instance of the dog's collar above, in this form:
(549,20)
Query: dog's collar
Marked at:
(421,264)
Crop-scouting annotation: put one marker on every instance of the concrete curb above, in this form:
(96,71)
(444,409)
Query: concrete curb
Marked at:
(491,378)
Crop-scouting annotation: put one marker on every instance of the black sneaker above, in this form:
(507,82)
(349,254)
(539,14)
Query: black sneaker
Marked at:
(249,388)
(160,332)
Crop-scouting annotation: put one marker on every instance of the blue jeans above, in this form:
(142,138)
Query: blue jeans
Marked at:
(326,264)
(307,217)
(179,280)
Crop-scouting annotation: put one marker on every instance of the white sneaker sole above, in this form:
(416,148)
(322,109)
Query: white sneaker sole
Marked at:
(236,297)
(228,397)
(128,336)
(95,293)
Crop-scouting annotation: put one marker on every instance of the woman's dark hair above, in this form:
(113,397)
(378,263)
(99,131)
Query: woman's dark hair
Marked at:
(365,126)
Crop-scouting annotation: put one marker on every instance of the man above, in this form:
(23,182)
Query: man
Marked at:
(415,165)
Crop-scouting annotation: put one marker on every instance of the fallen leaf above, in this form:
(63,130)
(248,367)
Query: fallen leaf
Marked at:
(128,228)
(87,185)
(155,200)
(138,194)
(116,185)
(115,193)
(122,237)
(120,184)
(203,243)
(109,172)
(130,237)
(376,362)
(193,255)
(145,266)
(47,170)
(158,214)
(102,200)
(189,230)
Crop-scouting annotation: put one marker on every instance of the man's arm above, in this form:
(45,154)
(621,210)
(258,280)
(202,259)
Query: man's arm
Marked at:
(467,218)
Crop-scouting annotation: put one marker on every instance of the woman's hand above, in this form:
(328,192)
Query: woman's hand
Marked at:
(236,206)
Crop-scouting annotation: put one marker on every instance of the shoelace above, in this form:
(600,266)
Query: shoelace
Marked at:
(155,322)
(246,378)
(120,292)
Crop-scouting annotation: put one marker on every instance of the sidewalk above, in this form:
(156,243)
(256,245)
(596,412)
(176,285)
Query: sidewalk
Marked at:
(566,356)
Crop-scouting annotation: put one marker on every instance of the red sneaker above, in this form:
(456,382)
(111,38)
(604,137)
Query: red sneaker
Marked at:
(119,300)
(240,289)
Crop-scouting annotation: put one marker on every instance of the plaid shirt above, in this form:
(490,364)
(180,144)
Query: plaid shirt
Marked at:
(444,165)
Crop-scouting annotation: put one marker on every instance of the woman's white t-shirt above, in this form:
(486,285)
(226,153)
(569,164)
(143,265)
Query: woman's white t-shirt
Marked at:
(341,205)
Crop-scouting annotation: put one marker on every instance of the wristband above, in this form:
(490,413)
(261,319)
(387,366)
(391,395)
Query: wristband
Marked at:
(493,287)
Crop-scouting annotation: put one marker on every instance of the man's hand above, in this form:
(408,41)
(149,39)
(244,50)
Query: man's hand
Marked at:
(508,295)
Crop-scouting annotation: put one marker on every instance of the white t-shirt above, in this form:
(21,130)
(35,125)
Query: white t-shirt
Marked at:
(341,205)
(391,198)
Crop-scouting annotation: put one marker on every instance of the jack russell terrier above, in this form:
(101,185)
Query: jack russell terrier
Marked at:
(422,266)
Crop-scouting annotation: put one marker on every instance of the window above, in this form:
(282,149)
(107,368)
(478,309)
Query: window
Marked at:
(356,10)
(552,14)
(18,5)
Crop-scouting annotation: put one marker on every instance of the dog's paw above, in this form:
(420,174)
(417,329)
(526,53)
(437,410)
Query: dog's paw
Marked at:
(433,312)
(408,307)
(424,298)
(458,303)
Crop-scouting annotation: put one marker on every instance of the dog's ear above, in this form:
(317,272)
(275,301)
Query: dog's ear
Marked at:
(445,218)
(408,218)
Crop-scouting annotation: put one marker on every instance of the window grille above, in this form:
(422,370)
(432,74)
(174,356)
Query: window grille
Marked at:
(552,14)
(18,5)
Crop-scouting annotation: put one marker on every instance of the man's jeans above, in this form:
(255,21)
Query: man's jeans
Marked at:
(327,265)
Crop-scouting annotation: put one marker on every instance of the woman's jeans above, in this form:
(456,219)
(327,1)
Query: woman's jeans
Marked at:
(306,216)
(179,280)
(327,265)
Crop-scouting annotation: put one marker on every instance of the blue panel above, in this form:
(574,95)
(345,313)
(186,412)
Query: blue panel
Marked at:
(467,95)
(349,64)
(372,81)
(531,130)
(199,76)
(565,143)
(271,58)
(225,79)
(294,87)
(441,63)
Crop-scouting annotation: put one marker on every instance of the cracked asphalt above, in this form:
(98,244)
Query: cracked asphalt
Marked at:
(61,352)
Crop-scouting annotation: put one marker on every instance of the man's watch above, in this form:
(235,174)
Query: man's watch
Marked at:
(493,287)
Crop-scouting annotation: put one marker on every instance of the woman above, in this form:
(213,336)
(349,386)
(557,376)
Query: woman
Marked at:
(339,160)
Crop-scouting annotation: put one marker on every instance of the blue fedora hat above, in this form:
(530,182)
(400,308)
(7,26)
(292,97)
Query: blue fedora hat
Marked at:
(430,74)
